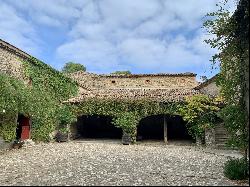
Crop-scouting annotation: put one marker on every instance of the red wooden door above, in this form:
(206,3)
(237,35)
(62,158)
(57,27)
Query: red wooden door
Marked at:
(25,125)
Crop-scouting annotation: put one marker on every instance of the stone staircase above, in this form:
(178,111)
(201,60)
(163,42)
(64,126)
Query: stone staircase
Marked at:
(221,136)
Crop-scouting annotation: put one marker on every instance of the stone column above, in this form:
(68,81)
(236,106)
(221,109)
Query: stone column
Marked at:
(165,129)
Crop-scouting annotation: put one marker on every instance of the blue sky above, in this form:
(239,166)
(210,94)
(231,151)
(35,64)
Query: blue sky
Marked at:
(143,36)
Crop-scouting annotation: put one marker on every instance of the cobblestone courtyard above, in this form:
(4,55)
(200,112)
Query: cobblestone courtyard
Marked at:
(107,163)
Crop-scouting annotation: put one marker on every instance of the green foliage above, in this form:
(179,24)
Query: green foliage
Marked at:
(72,67)
(231,38)
(236,169)
(41,101)
(127,121)
(7,128)
(200,112)
(66,116)
(126,113)
(121,73)
(234,117)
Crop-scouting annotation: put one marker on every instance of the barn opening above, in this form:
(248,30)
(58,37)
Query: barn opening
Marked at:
(177,130)
(23,127)
(97,127)
(163,128)
(151,128)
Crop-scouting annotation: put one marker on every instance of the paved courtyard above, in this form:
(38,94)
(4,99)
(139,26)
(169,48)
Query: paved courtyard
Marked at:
(110,163)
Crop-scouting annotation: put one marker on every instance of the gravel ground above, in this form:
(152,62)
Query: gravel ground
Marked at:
(110,163)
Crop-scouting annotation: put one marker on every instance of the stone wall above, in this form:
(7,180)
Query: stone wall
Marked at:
(169,81)
(11,64)
(210,89)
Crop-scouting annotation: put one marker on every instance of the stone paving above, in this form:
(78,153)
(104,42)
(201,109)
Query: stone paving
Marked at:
(92,163)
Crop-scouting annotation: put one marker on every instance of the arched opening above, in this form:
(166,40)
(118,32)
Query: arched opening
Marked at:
(97,127)
(151,128)
(177,130)
(23,127)
(168,128)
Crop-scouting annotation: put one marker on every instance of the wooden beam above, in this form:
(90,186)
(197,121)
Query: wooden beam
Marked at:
(165,130)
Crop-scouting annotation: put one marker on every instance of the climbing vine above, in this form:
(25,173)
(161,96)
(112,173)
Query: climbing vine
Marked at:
(40,101)
(230,35)
(126,113)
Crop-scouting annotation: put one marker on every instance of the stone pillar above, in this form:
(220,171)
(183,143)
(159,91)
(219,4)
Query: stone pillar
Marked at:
(126,139)
(165,129)
(210,137)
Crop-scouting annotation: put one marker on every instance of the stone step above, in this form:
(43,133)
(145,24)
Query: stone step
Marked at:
(223,137)
(220,131)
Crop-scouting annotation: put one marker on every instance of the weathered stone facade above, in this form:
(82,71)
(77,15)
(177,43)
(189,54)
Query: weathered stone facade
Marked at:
(11,60)
(158,87)
(209,87)
(139,81)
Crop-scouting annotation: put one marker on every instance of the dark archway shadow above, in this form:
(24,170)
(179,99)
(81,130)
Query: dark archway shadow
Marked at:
(97,127)
(151,128)
(177,130)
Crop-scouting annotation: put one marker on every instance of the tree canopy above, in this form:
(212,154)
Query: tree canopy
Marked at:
(121,73)
(71,67)
(231,38)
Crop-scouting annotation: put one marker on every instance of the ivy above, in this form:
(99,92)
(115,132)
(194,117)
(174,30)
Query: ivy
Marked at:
(126,114)
(40,101)
(230,35)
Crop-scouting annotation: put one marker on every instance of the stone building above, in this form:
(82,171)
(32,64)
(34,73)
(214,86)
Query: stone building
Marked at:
(10,64)
(155,87)
(158,87)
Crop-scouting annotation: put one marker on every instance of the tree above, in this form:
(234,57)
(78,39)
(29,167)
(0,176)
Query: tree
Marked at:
(231,38)
(121,73)
(71,67)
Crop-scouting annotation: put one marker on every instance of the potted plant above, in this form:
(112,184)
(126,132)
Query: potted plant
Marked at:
(126,138)
(62,134)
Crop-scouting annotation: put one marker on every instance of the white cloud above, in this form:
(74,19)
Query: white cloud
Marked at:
(107,35)
(44,12)
(16,30)
(92,53)
(143,35)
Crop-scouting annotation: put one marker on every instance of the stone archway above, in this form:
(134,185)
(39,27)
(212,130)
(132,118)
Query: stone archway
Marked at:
(95,127)
(167,128)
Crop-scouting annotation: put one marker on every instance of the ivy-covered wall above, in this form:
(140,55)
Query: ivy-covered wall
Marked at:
(41,99)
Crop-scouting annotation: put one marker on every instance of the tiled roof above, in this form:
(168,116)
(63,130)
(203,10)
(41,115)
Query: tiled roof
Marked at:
(79,74)
(13,49)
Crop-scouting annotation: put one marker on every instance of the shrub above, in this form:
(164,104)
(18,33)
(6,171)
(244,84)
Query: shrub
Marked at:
(236,169)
